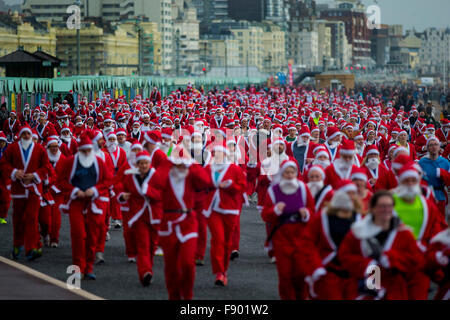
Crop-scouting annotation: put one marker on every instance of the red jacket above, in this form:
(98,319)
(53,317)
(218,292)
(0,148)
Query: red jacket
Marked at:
(400,257)
(437,257)
(226,200)
(69,148)
(65,172)
(333,176)
(145,199)
(184,224)
(37,164)
(11,127)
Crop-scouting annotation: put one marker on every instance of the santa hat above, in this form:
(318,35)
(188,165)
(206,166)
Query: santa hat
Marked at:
(346,186)
(286,164)
(112,134)
(445,122)
(304,132)
(2,136)
(25,128)
(136,145)
(51,141)
(153,137)
(143,155)
(221,146)
(121,131)
(400,149)
(432,139)
(359,174)
(347,147)
(332,132)
(278,141)
(319,169)
(371,150)
(341,200)
(166,133)
(65,127)
(179,156)
(401,161)
(85,143)
(408,171)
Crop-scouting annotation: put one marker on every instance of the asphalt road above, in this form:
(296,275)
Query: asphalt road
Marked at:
(251,276)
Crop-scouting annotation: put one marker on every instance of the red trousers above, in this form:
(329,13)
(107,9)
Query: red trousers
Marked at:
(128,235)
(5,201)
(25,222)
(45,222)
(236,237)
(202,236)
(84,231)
(333,287)
(56,220)
(221,227)
(179,266)
(143,235)
(114,208)
(418,285)
(104,229)
(291,285)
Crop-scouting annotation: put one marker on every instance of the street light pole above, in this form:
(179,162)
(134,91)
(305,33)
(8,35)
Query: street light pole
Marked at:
(78,3)
(178,51)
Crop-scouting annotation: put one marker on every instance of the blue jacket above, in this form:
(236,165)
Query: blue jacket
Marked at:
(429,168)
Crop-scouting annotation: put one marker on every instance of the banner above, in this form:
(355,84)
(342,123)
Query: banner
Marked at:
(13,102)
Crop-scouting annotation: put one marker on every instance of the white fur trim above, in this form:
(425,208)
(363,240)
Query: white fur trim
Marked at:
(73,194)
(441,259)
(365,228)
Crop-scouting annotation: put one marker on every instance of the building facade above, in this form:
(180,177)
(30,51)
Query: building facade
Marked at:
(435,51)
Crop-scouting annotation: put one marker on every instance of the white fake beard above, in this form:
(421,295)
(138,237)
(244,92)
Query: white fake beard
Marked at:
(86,161)
(289,186)
(408,193)
(217,166)
(324,164)
(164,146)
(372,163)
(301,143)
(132,158)
(334,145)
(26,143)
(66,139)
(53,158)
(197,146)
(315,187)
(112,146)
(178,175)
(343,165)
(106,131)
(135,131)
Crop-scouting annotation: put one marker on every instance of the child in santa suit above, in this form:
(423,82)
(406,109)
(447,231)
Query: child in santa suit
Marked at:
(141,200)
(326,278)
(5,183)
(128,168)
(84,180)
(180,178)
(119,158)
(55,157)
(26,163)
(223,204)
(288,208)
(380,239)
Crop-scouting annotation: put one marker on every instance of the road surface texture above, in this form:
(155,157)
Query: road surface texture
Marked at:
(251,276)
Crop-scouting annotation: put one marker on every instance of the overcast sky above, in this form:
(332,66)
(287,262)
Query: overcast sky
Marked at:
(420,14)
(412,13)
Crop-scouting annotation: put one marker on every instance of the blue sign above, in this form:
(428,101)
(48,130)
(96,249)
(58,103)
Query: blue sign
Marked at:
(281,77)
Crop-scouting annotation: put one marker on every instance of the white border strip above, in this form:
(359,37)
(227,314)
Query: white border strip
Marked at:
(49,279)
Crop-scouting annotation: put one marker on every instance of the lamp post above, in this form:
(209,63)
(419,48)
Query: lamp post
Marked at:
(139,32)
(177,39)
(78,3)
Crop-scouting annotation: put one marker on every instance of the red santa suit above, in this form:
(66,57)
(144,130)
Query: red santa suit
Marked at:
(326,277)
(11,128)
(437,263)
(45,130)
(334,175)
(5,185)
(219,122)
(26,198)
(223,205)
(86,214)
(144,212)
(178,229)
(55,161)
(398,258)
(288,226)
